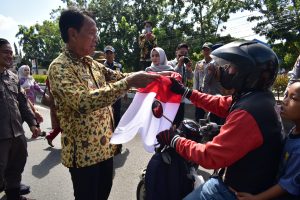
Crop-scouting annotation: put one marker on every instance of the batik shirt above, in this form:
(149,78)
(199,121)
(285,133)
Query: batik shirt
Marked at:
(83,96)
(146,46)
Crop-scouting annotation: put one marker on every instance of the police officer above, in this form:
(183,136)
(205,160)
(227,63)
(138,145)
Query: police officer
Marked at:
(14,109)
(112,64)
(99,56)
(110,59)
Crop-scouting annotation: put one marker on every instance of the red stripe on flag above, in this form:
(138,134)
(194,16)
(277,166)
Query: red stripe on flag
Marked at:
(161,87)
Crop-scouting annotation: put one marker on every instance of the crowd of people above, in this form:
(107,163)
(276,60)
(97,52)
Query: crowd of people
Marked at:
(85,87)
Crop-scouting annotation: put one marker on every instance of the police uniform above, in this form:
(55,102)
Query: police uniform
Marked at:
(117,105)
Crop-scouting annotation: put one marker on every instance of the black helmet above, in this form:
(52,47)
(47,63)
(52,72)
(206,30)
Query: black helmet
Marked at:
(256,64)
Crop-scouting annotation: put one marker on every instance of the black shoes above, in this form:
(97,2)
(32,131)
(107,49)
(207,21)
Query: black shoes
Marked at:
(24,189)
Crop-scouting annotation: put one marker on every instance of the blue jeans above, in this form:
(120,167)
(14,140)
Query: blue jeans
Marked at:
(213,189)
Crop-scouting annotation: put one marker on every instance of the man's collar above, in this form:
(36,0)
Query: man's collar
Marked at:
(1,71)
(113,62)
(210,59)
(85,60)
(4,73)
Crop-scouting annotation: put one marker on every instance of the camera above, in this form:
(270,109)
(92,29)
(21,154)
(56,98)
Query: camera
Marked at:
(186,60)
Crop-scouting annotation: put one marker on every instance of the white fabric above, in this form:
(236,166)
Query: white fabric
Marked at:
(139,119)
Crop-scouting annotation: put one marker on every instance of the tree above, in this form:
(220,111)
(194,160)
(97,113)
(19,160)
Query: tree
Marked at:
(121,22)
(40,42)
(280,23)
(16,49)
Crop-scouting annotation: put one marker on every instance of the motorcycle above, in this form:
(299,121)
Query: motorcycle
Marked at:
(201,132)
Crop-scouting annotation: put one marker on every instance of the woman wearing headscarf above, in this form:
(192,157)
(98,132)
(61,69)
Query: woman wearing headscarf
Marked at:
(159,61)
(28,83)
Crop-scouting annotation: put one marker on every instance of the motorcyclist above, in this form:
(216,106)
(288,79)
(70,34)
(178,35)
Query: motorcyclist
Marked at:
(249,143)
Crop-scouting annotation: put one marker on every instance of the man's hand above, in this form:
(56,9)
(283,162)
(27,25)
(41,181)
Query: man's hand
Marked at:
(165,73)
(245,196)
(179,88)
(189,66)
(141,79)
(35,131)
(167,137)
(180,61)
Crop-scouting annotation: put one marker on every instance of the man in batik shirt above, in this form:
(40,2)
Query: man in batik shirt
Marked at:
(147,41)
(84,92)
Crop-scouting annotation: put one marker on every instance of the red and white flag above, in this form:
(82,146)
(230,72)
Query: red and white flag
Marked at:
(139,118)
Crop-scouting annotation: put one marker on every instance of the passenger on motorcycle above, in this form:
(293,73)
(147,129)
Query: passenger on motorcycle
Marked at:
(288,184)
(249,144)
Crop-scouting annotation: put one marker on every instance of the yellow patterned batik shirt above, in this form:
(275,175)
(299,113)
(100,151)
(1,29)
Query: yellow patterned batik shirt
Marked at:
(84,91)
(146,46)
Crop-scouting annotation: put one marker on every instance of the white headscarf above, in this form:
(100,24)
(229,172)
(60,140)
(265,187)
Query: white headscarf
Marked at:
(29,81)
(162,62)
(21,71)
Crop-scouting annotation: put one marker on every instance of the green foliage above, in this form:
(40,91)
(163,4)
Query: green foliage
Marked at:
(289,59)
(121,22)
(40,78)
(280,84)
(280,24)
(41,42)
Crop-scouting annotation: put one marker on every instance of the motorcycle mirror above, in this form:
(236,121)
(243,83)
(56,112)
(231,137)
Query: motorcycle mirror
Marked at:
(157,109)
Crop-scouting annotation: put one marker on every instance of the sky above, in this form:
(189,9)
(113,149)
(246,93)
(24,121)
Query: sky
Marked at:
(238,26)
(29,12)
(23,12)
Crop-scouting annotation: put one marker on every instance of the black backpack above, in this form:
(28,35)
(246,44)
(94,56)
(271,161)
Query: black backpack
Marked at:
(168,176)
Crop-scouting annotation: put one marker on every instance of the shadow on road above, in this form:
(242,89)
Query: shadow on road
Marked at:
(52,159)
(34,139)
(120,159)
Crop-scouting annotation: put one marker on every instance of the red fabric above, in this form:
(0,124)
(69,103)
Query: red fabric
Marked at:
(161,88)
(47,83)
(52,134)
(239,135)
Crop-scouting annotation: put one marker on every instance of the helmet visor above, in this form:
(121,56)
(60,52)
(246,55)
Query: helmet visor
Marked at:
(220,62)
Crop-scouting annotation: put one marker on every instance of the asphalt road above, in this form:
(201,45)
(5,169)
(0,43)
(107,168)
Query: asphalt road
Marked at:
(50,180)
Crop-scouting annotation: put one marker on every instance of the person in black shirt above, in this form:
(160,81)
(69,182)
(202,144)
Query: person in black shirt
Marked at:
(14,109)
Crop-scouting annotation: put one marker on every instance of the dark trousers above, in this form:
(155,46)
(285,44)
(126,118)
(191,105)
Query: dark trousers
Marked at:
(179,116)
(117,111)
(13,155)
(117,117)
(92,182)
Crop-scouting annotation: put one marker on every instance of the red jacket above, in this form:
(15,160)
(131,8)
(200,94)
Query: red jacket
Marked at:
(231,144)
